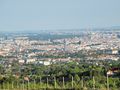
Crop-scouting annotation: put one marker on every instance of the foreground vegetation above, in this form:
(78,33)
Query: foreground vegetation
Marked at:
(71,75)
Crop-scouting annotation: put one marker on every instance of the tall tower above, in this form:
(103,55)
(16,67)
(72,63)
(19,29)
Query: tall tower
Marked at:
(64,46)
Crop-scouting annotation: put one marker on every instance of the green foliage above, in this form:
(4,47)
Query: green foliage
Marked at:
(66,70)
(77,78)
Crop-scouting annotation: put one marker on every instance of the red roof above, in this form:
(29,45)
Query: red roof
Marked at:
(114,69)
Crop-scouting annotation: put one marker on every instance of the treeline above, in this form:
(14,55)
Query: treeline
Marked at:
(71,75)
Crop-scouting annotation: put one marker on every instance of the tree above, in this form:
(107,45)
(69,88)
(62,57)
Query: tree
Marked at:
(76,78)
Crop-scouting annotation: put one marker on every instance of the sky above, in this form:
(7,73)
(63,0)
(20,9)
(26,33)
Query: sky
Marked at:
(26,15)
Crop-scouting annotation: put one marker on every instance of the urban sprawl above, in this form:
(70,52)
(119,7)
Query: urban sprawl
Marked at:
(93,45)
(84,60)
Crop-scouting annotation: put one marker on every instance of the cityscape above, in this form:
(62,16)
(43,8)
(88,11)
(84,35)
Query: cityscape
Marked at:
(59,44)
(48,48)
(54,60)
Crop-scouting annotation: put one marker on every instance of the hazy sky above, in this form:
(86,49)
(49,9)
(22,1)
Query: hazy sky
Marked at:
(16,15)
